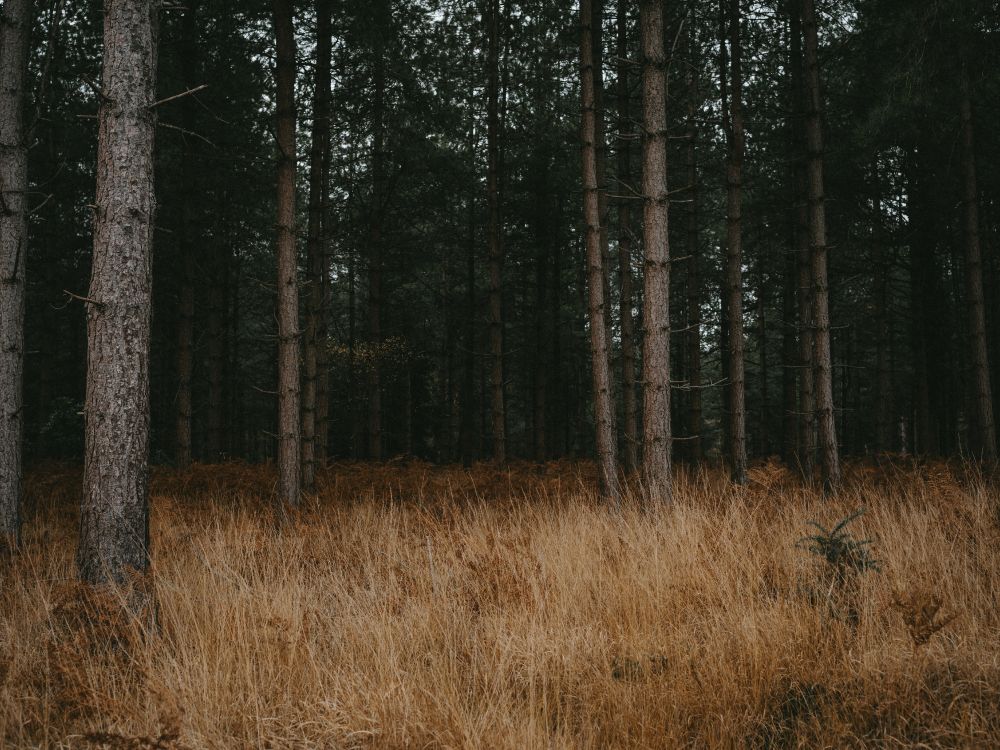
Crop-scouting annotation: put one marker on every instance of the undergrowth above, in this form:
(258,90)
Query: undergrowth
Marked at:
(412,606)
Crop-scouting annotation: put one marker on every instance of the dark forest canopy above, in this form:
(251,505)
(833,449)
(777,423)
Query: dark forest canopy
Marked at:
(406,318)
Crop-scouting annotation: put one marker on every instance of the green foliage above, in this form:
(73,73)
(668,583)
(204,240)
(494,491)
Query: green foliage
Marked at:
(839,549)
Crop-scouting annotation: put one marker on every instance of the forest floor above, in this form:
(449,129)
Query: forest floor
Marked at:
(423,607)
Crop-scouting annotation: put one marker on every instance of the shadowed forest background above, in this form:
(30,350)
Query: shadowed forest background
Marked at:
(405,206)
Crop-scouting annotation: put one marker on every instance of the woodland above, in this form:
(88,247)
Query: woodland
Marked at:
(499,373)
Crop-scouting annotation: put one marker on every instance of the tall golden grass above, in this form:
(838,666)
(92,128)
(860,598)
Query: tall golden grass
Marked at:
(412,606)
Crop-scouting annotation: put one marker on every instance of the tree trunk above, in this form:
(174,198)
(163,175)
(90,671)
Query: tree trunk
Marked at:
(114,520)
(630,404)
(498,417)
(694,260)
(215,355)
(289,433)
(979,346)
(883,375)
(829,457)
(657,441)
(375,239)
(15,30)
(186,298)
(316,262)
(604,423)
(736,142)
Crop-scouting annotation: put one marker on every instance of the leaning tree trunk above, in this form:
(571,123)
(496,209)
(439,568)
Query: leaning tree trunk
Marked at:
(114,520)
(289,434)
(15,25)
(827,427)
(657,443)
(314,243)
(498,415)
(630,411)
(606,436)
(736,143)
(979,345)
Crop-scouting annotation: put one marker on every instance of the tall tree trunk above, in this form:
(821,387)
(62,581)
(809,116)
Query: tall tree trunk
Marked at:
(315,261)
(657,441)
(630,410)
(186,298)
(604,422)
(694,256)
(789,358)
(498,415)
(375,239)
(15,29)
(736,142)
(114,519)
(827,428)
(468,425)
(215,346)
(883,375)
(289,428)
(979,346)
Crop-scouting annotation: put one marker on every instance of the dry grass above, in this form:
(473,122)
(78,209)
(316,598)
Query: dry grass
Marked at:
(411,606)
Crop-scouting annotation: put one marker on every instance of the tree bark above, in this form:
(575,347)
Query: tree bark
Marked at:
(827,428)
(657,441)
(736,143)
(630,405)
(498,416)
(114,520)
(986,442)
(316,261)
(289,429)
(15,30)
(604,423)
(694,259)
(374,376)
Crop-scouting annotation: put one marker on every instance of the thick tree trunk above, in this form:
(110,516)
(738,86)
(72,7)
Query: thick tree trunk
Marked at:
(498,415)
(829,456)
(736,143)
(986,441)
(604,422)
(630,410)
(289,428)
(186,298)
(15,26)
(657,442)
(316,261)
(114,520)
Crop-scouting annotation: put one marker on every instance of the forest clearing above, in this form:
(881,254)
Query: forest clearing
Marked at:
(414,606)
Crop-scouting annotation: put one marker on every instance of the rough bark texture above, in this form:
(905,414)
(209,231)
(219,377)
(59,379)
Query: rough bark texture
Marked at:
(186,297)
(15,24)
(114,521)
(315,262)
(604,422)
(694,376)
(630,410)
(289,434)
(498,417)
(827,428)
(986,441)
(736,148)
(656,459)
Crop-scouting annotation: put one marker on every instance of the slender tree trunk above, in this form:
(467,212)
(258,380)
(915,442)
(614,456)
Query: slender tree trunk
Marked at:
(657,441)
(789,358)
(316,262)
(375,239)
(883,376)
(630,410)
(15,29)
(498,416)
(468,425)
(604,421)
(979,346)
(215,356)
(829,456)
(736,142)
(114,519)
(186,300)
(289,428)
(694,259)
